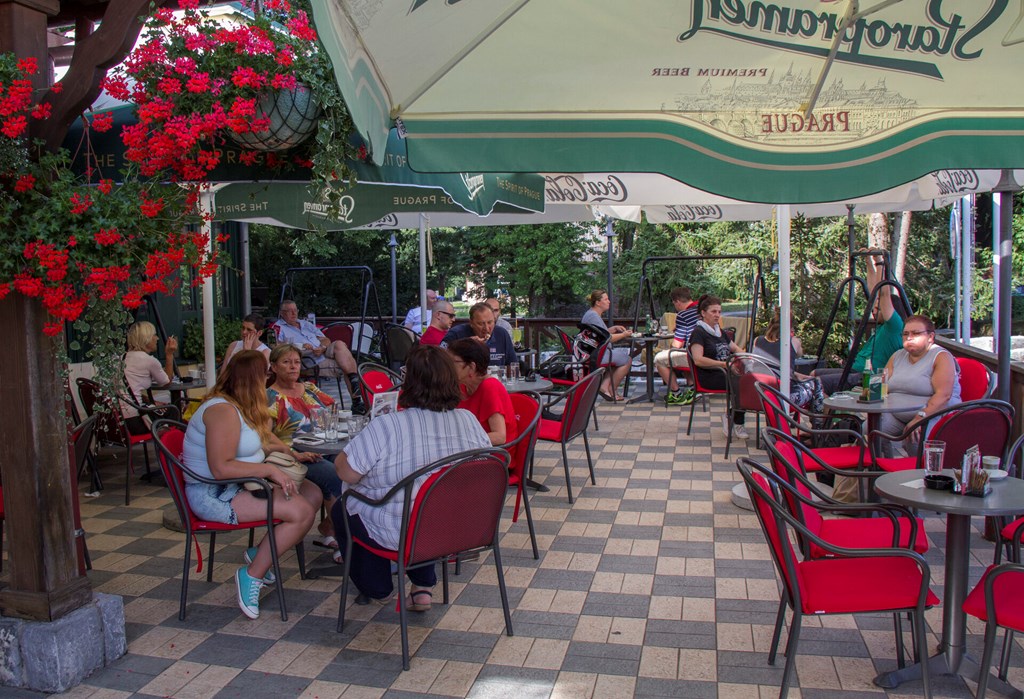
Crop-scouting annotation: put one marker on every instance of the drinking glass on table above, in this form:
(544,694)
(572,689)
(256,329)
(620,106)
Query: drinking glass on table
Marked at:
(933,451)
(513,372)
(356,423)
(332,422)
(318,420)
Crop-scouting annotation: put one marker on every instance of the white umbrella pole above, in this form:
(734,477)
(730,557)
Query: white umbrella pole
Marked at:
(785,326)
(423,271)
(207,208)
(966,266)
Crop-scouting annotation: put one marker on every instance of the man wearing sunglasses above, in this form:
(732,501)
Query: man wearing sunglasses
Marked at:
(441,320)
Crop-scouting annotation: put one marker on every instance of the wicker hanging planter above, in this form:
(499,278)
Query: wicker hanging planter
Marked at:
(293,115)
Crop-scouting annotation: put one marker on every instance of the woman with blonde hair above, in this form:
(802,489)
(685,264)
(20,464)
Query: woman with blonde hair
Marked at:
(141,368)
(228,437)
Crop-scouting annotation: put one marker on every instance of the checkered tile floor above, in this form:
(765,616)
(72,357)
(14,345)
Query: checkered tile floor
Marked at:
(652,584)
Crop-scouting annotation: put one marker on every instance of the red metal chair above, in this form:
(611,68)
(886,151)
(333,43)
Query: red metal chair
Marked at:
(997,601)
(1009,532)
(893,580)
(745,370)
(987,423)
(703,392)
(976,380)
(457,509)
(789,458)
(339,332)
(579,404)
(169,436)
(520,449)
(112,429)
(896,526)
(782,414)
(374,379)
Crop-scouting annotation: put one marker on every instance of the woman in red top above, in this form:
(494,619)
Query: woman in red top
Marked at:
(483,396)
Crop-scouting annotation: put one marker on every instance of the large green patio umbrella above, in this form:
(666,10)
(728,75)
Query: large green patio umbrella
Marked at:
(710,92)
(784,102)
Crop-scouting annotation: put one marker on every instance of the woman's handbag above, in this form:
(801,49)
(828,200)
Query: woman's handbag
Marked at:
(295,469)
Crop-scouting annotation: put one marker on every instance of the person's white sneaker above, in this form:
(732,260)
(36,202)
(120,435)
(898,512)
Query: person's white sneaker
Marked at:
(739,431)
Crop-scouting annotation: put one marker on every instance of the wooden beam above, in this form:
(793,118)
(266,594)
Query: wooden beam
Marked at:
(95,53)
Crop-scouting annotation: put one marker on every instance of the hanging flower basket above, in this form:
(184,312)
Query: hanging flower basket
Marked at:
(293,116)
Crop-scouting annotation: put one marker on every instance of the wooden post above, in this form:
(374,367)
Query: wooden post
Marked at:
(44,579)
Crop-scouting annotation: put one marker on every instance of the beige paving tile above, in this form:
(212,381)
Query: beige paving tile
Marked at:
(574,685)
(511,650)
(547,654)
(455,678)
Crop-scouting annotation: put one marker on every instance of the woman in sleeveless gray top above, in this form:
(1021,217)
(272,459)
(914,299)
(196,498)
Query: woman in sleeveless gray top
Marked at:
(921,368)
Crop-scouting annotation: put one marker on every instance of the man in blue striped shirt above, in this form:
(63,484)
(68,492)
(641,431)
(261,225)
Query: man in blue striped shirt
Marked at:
(667,361)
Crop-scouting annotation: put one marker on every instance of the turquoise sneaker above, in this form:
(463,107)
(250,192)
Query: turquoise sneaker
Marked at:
(688,397)
(674,398)
(269,578)
(248,589)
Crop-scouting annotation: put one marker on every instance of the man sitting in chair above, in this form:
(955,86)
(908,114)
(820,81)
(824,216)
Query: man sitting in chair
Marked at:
(481,327)
(441,321)
(317,350)
(667,361)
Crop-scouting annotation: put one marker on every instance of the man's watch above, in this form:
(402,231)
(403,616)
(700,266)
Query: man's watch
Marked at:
(921,413)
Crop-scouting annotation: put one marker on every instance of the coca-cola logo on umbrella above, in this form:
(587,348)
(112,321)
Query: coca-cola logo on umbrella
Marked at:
(576,190)
(686,212)
(956,181)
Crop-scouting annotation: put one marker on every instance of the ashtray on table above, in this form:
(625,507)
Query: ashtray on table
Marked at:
(936,481)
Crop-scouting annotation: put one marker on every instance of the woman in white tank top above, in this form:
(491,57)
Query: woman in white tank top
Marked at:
(227,438)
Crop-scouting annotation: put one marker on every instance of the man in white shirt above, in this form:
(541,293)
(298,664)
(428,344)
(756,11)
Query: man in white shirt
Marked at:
(413,321)
(317,348)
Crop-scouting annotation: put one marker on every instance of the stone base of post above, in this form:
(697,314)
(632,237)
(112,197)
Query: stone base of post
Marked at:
(53,656)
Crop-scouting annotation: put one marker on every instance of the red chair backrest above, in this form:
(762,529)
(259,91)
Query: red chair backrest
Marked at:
(789,466)
(580,401)
(775,532)
(339,332)
(974,379)
(170,441)
(374,379)
(457,508)
(773,410)
(744,372)
(527,411)
(565,339)
(987,424)
(696,374)
(109,425)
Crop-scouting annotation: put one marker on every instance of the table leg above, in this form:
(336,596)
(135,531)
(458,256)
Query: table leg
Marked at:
(649,396)
(952,658)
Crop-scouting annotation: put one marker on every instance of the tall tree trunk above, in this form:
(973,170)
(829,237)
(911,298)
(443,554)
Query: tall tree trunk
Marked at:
(878,232)
(900,265)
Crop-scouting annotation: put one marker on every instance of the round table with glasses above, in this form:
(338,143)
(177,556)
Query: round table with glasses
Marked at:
(1007,498)
(892,403)
(320,446)
(523,385)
